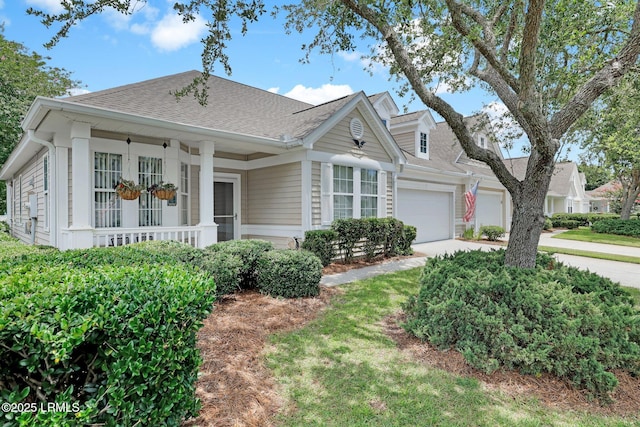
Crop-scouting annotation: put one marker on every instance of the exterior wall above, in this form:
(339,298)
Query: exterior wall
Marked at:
(339,141)
(275,195)
(406,141)
(32,175)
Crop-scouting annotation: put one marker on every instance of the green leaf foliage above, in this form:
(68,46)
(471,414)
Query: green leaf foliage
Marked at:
(249,252)
(492,232)
(289,274)
(624,227)
(551,318)
(116,341)
(322,244)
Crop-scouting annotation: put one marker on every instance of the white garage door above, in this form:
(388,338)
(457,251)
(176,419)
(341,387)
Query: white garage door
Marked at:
(489,209)
(429,211)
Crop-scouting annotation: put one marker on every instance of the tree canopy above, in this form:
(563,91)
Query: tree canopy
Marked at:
(24,75)
(611,135)
(547,61)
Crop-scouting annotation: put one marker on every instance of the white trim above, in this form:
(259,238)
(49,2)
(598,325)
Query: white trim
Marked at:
(426,186)
(272,230)
(349,160)
(305,187)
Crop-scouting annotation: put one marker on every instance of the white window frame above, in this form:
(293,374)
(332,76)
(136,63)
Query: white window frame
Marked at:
(482,141)
(149,207)
(327,192)
(109,193)
(418,138)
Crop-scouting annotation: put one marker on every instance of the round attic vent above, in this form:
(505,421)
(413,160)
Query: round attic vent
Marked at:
(356,128)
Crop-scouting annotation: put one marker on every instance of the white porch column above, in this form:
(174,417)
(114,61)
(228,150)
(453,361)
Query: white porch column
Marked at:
(208,228)
(81,229)
(171,214)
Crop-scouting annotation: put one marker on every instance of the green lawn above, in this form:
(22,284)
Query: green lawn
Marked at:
(584,234)
(590,254)
(342,370)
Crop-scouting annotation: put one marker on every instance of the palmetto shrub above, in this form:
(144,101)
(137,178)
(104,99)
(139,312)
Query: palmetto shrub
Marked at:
(551,318)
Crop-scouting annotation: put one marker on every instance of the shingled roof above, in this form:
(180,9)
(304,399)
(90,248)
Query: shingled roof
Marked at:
(560,184)
(231,107)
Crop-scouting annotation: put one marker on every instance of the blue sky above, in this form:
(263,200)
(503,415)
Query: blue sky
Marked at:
(111,50)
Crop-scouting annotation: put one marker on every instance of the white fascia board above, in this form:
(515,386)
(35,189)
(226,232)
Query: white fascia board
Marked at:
(23,151)
(50,104)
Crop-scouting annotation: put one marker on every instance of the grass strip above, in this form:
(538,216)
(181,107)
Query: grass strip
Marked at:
(342,370)
(586,235)
(590,254)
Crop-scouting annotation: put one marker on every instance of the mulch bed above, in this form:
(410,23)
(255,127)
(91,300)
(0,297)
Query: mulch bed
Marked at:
(236,389)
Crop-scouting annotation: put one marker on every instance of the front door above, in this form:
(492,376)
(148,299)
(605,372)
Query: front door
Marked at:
(225,213)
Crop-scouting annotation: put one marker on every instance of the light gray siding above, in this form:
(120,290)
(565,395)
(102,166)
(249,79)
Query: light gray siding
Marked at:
(274,195)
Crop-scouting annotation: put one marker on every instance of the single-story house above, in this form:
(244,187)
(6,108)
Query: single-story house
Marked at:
(566,192)
(249,164)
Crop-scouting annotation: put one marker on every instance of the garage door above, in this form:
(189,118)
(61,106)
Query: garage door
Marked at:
(429,211)
(489,209)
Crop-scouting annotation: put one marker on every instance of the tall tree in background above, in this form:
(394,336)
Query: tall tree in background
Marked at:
(548,61)
(611,134)
(23,76)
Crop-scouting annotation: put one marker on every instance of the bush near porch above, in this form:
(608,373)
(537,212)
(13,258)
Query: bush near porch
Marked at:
(111,331)
(367,237)
(552,318)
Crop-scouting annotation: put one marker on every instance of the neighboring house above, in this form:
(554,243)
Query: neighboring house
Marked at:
(251,164)
(438,173)
(601,196)
(566,192)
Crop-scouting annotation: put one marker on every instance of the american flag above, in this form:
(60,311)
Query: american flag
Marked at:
(470,202)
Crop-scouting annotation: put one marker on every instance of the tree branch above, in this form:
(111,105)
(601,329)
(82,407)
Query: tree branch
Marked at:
(605,78)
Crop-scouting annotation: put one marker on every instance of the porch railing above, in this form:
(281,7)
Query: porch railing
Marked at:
(103,237)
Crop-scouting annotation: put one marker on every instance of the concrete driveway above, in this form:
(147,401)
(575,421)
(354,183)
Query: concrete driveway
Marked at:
(621,272)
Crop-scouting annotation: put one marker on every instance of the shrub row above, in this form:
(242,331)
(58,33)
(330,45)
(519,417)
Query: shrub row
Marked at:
(114,342)
(254,264)
(373,236)
(111,332)
(629,227)
(552,318)
(583,219)
(565,223)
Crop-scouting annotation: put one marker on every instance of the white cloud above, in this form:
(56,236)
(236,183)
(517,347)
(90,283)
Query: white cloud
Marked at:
(170,33)
(77,91)
(51,6)
(273,89)
(1,4)
(315,96)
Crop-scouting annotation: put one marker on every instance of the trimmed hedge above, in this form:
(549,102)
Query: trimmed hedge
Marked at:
(551,318)
(321,243)
(583,219)
(289,274)
(117,343)
(629,227)
(373,237)
(565,223)
(248,251)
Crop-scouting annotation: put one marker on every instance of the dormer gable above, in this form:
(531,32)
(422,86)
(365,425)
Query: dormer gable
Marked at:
(411,132)
(385,106)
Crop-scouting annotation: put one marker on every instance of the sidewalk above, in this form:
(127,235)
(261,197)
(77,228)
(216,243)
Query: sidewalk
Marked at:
(626,274)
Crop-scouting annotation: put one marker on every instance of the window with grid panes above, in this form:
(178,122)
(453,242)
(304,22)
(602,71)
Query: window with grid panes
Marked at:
(368,193)
(107,206)
(149,207)
(424,143)
(342,192)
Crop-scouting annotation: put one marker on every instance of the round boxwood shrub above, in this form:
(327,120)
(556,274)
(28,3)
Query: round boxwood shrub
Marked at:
(492,232)
(289,274)
(551,318)
(249,251)
(226,270)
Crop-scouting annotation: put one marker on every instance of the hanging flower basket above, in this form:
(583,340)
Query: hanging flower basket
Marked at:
(128,190)
(163,190)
